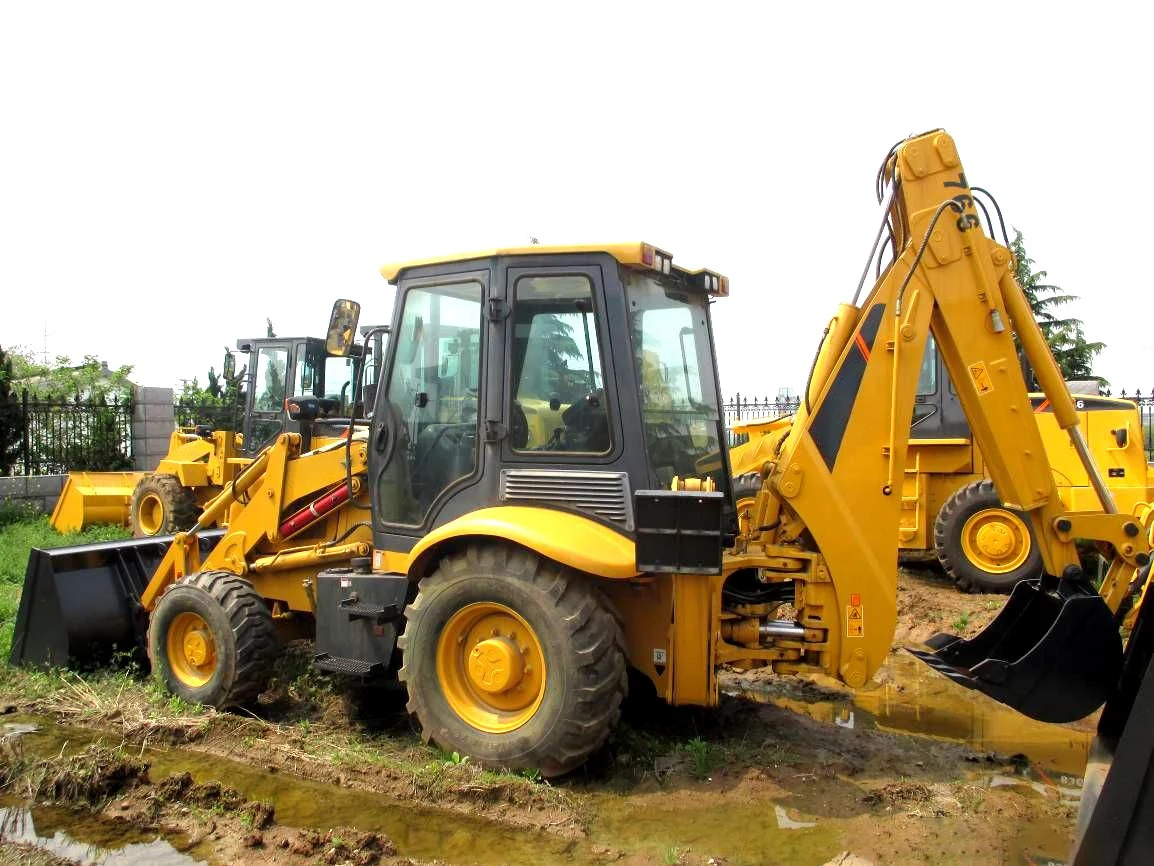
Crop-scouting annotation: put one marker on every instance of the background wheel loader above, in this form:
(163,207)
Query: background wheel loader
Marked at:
(951,509)
(512,579)
(201,461)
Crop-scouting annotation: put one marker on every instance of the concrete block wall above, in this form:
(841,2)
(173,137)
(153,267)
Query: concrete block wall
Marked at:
(153,421)
(41,491)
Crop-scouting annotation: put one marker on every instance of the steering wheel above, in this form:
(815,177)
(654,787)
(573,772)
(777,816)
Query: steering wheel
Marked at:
(585,422)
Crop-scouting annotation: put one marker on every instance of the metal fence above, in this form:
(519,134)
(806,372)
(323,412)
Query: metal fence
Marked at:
(739,408)
(64,435)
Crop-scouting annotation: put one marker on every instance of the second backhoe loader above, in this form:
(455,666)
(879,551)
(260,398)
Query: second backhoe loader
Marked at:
(549,505)
(200,461)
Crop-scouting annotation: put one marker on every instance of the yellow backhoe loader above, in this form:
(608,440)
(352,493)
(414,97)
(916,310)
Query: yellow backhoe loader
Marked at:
(950,508)
(201,461)
(516,569)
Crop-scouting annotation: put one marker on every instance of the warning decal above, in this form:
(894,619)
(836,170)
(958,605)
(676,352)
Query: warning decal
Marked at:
(854,621)
(981,377)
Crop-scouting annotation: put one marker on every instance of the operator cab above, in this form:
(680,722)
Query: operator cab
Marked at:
(280,368)
(560,377)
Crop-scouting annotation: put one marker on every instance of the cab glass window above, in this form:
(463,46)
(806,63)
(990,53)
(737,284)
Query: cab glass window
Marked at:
(928,377)
(432,395)
(269,382)
(558,398)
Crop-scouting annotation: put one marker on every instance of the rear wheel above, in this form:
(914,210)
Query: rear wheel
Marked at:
(211,640)
(513,660)
(982,544)
(160,505)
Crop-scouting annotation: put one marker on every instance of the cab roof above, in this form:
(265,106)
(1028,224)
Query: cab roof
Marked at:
(631,254)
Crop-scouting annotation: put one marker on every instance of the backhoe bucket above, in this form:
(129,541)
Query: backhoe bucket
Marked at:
(89,498)
(81,605)
(1054,653)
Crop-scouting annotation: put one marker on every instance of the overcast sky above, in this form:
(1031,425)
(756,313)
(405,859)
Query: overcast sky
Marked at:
(173,174)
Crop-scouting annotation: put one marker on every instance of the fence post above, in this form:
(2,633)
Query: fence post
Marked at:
(24,447)
(153,420)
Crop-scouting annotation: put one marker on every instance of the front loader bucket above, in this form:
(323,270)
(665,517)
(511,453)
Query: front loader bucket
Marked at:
(89,498)
(81,604)
(1053,654)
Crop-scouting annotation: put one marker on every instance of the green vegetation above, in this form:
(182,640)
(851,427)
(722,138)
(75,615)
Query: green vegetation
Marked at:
(961,622)
(11,417)
(21,529)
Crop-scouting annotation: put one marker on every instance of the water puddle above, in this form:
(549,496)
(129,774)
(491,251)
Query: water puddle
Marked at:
(911,698)
(417,831)
(86,840)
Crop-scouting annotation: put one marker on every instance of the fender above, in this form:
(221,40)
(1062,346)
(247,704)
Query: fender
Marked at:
(569,539)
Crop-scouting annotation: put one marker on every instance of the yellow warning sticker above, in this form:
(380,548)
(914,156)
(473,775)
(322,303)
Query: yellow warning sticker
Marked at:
(981,377)
(854,621)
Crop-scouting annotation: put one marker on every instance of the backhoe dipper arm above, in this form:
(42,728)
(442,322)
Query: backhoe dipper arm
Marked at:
(837,481)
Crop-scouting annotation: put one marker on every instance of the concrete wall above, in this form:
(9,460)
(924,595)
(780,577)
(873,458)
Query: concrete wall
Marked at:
(153,421)
(41,491)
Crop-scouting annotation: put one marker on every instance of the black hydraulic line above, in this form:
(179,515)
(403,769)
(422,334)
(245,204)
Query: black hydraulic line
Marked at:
(997,209)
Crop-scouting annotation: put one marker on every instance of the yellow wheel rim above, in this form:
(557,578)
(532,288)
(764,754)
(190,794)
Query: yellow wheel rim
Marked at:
(996,540)
(191,649)
(150,514)
(491,667)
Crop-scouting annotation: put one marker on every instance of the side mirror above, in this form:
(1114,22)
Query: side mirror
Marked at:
(229,364)
(342,327)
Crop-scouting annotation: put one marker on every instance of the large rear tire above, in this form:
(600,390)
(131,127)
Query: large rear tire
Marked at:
(983,545)
(160,505)
(211,640)
(513,660)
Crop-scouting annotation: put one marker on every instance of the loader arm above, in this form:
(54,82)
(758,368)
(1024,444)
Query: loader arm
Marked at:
(834,488)
(280,494)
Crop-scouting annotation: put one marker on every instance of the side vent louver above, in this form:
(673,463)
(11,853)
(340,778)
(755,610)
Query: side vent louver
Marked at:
(605,494)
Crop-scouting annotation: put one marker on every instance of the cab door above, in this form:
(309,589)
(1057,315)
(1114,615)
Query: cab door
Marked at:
(426,431)
(269,375)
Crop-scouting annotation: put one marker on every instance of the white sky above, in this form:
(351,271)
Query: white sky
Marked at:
(173,174)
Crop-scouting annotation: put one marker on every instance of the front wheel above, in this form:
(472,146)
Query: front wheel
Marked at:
(513,660)
(982,544)
(161,505)
(211,640)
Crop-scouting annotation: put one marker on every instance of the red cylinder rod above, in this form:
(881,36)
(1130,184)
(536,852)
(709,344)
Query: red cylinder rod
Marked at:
(315,510)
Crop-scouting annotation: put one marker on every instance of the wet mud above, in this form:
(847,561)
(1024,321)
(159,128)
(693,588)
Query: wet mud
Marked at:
(911,769)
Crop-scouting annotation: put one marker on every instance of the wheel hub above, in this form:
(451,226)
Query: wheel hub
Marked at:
(150,514)
(491,667)
(190,649)
(495,665)
(196,647)
(995,540)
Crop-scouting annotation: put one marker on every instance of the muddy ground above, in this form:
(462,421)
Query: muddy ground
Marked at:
(912,769)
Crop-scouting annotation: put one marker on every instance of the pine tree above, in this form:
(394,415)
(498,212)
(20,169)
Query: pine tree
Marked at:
(1073,352)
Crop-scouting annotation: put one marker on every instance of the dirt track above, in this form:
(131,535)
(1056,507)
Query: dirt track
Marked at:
(902,772)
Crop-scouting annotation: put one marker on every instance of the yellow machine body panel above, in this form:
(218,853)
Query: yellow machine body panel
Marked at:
(570,539)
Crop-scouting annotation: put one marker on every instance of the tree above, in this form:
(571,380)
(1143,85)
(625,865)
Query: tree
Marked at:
(11,417)
(79,413)
(216,405)
(1073,352)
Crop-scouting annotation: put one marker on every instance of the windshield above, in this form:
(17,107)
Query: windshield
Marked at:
(669,331)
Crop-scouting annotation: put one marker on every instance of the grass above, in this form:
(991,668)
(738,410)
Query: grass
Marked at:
(961,622)
(22,529)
